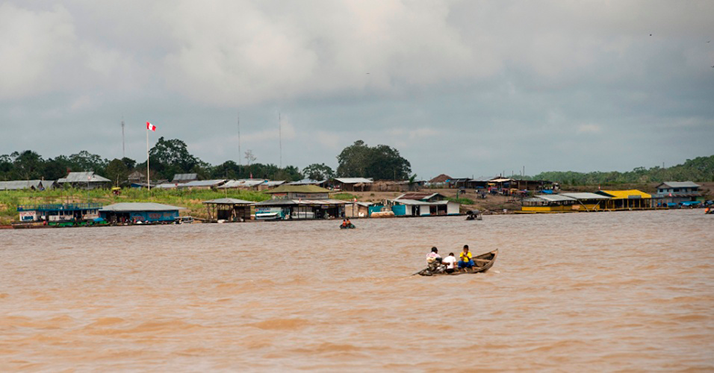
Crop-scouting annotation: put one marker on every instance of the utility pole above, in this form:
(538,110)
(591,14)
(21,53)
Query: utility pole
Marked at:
(280,137)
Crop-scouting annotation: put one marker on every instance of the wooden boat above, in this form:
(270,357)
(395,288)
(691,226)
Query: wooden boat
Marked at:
(482,263)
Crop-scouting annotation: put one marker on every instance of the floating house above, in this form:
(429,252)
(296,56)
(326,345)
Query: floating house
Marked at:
(56,213)
(358,209)
(299,202)
(423,204)
(27,184)
(632,199)
(140,212)
(548,203)
(587,201)
(565,202)
(228,209)
(676,192)
(84,180)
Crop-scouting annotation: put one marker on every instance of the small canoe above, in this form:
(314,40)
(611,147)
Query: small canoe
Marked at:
(482,263)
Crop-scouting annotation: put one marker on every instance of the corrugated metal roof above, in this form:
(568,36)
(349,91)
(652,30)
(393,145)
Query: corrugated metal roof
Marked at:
(273,183)
(418,195)
(582,196)
(555,198)
(680,184)
(298,189)
(83,177)
(625,194)
(293,202)
(413,202)
(306,182)
(140,206)
(164,186)
(20,184)
(353,180)
(242,183)
(185,177)
(228,201)
(277,202)
(203,183)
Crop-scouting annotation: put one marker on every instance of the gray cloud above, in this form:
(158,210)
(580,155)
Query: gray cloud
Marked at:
(461,87)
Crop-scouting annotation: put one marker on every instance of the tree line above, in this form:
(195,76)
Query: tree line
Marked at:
(171,156)
(697,169)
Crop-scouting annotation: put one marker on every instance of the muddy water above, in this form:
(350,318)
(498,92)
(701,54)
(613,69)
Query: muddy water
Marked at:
(576,292)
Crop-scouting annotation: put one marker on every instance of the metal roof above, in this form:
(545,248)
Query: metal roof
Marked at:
(185,177)
(413,202)
(20,184)
(303,202)
(83,177)
(203,183)
(139,206)
(163,186)
(353,180)
(582,196)
(273,183)
(306,182)
(298,189)
(419,195)
(228,201)
(242,183)
(555,198)
(679,184)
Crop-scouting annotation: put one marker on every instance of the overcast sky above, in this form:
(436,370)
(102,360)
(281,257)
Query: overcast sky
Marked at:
(466,88)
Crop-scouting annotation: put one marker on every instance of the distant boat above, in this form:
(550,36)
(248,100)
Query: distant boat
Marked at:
(482,263)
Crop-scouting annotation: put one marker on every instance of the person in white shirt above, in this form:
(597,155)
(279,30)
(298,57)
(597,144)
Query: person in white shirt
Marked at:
(450,262)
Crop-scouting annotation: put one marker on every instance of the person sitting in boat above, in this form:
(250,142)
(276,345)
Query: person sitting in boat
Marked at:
(450,262)
(465,259)
(349,223)
(433,262)
(433,256)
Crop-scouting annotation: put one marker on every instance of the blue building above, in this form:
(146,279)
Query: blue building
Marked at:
(55,213)
(140,213)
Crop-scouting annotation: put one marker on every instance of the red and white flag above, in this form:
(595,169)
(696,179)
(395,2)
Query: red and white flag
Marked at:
(150,127)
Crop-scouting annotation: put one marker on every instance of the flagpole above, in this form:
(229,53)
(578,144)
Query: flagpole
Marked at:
(148,181)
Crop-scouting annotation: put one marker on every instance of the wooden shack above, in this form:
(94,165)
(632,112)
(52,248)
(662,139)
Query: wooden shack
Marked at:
(228,209)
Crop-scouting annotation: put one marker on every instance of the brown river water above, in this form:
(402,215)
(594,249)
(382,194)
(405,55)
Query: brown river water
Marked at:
(618,291)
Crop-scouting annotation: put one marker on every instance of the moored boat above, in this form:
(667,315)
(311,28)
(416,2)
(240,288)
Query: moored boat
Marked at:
(482,263)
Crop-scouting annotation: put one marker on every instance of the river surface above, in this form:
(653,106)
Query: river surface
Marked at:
(615,291)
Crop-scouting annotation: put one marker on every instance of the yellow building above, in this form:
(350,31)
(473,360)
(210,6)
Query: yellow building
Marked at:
(632,199)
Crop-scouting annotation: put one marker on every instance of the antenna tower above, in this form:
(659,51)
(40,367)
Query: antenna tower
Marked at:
(123,147)
(240,163)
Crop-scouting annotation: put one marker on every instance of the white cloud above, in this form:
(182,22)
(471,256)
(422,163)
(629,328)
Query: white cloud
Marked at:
(589,128)
(36,48)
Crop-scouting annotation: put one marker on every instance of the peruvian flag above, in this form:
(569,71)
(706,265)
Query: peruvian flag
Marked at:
(150,127)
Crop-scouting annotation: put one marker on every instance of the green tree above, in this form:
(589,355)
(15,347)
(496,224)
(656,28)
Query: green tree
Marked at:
(170,157)
(318,171)
(27,165)
(117,171)
(381,162)
(6,167)
(86,161)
